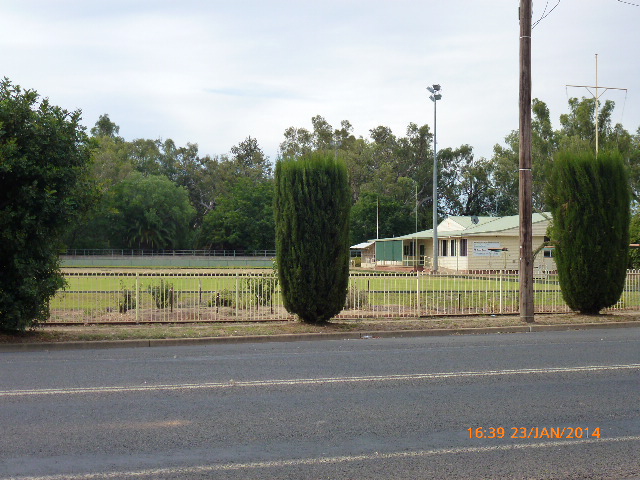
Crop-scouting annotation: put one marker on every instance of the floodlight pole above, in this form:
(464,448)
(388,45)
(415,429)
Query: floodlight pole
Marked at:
(435,96)
(525,175)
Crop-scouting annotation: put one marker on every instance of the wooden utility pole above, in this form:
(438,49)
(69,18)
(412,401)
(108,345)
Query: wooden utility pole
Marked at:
(525,176)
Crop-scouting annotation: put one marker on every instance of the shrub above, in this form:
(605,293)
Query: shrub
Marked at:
(163,294)
(44,154)
(589,199)
(223,298)
(127,300)
(312,202)
(356,298)
(261,288)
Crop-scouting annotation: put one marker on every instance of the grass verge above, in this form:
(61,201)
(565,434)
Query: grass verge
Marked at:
(52,333)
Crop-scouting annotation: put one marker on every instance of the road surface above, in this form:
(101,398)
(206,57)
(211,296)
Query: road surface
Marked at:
(546,405)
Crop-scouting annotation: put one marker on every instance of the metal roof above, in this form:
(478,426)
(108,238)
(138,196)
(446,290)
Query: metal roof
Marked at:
(485,225)
(361,246)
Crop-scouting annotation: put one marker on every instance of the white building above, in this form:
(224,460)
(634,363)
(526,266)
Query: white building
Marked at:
(465,244)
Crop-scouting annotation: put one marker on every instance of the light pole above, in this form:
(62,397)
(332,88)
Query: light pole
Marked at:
(435,96)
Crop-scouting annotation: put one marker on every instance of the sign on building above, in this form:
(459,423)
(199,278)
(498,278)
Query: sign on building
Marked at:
(482,249)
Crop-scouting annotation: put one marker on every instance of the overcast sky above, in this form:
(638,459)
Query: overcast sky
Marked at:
(214,72)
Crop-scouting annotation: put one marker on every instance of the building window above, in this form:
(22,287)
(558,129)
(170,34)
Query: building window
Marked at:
(453,248)
(548,252)
(409,249)
(443,248)
(463,247)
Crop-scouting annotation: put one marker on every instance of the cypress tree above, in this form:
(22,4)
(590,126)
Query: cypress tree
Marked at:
(312,203)
(590,200)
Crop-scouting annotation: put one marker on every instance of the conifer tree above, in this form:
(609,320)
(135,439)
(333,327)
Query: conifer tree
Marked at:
(590,199)
(312,203)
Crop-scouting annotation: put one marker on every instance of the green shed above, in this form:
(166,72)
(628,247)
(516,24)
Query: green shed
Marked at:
(389,251)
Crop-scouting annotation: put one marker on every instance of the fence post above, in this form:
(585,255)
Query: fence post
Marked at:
(237,295)
(137,296)
(417,292)
(501,271)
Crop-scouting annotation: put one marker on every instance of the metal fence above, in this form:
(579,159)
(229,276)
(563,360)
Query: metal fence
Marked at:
(133,252)
(111,297)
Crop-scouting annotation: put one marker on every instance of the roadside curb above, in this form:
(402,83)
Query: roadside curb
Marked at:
(297,337)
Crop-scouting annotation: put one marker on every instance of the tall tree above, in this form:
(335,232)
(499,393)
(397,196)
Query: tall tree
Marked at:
(466,185)
(43,158)
(149,212)
(249,159)
(104,127)
(242,220)
(312,202)
(506,162)
(589,198)
(380,215)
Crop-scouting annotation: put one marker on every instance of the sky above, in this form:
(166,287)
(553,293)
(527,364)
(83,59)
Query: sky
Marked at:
(214,72)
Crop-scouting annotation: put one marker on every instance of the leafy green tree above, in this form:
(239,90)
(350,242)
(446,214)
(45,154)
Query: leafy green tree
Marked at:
(466,185)
(397,165)
(242,220)
(312,202)
(506,162)
(297,142)
(43,158)
(250,161)
(589,198)
(634,238)
(104,127)
(323,137)
(149,212)
(378,212)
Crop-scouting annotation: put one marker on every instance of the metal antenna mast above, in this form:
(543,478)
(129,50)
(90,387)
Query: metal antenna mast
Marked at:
(597,96)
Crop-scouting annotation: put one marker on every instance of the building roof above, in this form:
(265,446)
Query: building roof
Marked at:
(459,226)
(361,246)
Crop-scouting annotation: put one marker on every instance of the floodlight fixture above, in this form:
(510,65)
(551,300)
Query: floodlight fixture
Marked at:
(434,89)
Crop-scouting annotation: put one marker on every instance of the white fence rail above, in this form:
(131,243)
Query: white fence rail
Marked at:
(217,297)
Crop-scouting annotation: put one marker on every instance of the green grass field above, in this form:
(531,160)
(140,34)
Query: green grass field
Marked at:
(197,294)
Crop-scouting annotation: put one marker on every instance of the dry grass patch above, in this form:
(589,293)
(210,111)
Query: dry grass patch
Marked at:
(156,331)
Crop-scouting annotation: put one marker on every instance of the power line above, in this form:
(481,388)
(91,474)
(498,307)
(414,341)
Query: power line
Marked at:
(629,3)
(545,14)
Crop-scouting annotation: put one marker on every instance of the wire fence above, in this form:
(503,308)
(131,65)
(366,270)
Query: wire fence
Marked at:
(117,297)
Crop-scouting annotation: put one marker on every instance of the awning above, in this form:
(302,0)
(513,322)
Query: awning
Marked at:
(361,246)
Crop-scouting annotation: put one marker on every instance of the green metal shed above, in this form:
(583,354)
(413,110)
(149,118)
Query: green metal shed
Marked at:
(389,251)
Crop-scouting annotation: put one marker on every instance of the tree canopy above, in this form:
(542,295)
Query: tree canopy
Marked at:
(396,168)
(312,202)
(43,158)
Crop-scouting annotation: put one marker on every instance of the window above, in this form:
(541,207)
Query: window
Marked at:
(443,248)
(463,247)
(409,249)
(453,248)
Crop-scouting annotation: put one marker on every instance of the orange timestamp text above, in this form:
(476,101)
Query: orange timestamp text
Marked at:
(534,432)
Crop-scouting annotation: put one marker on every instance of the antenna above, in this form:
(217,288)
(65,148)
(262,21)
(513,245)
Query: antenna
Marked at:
(596,96)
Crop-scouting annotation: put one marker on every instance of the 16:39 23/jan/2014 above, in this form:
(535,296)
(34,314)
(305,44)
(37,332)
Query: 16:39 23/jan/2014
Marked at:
(534,432)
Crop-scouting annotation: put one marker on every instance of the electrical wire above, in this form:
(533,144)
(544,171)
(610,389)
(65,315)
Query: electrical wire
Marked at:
(545,14)
(629,3)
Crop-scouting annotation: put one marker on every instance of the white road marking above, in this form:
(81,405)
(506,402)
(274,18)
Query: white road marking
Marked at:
(310,381)
(185,471)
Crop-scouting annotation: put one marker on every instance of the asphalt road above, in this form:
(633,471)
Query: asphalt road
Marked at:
(347,409)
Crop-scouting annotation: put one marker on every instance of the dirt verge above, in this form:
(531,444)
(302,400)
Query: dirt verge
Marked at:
(46,333)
